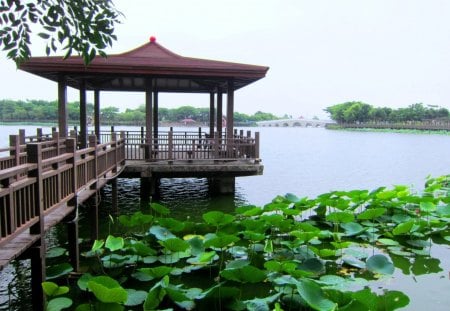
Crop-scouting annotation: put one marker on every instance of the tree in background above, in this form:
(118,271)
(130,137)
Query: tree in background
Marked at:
(83,26)
(359,112)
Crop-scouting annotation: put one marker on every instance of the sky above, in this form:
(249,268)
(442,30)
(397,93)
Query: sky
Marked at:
(390,53)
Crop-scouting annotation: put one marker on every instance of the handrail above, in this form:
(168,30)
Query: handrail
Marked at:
(53,174)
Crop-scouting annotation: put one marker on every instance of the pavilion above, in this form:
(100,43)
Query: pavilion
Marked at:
(152,69)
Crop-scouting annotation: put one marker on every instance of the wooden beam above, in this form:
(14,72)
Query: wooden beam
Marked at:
(62,106)
(155,116)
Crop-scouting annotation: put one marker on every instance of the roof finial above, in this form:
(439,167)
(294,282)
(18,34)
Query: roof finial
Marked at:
(152,39)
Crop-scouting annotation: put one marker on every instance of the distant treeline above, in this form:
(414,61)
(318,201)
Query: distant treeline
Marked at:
(359,112)
(43,111)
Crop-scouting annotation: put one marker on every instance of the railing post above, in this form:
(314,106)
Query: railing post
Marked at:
(37,251)
(170,144)
(39,134)
(216,145)
(22,136)
(55,138)
(114,143)
(122,148)
(15,148)
(257,146)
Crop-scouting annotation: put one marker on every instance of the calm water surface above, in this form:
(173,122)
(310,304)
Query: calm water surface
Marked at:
(306,162)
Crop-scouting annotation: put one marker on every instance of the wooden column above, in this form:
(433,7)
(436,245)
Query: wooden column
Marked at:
(97,114)
(72,218)
(219,113)
(83,115)
(230,109)
(211,114)
(93,210)
(37,251)
(155,117)
(62,106)
(148,118)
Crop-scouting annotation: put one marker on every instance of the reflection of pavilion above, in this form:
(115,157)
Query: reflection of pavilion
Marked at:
(153,69)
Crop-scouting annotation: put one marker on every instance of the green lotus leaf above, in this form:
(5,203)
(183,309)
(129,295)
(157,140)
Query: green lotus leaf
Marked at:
(55,252)
(386,195)
(107,290)
(159,209)
(56,271)
(354,262)
(142,249)
(161,233)
(171,224)
(254,236)
(392,300)
(443,210)
(135,297)
(98,244)
(52,289)
(314,296)
(83,281)
(352,228)
(57,304)
(340,217)
(427,207)
(217,218)
(220,241)
(174,244)
(154,298)
(388,242)
(148,274)
(380,264)
(246,274)
(114,243)
(371,213)
(312,265)
(403,228)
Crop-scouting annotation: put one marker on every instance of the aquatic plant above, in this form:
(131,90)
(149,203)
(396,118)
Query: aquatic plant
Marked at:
(293,253)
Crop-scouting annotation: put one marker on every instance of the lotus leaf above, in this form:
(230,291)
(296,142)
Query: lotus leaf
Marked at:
(380,264)
(59,303)
(114,243)
(107,290)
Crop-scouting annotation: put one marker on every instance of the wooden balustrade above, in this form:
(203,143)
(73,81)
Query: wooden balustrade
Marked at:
(183,145)
(54,174)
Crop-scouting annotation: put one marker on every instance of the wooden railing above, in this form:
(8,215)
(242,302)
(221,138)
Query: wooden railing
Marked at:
(184,145)
(42,176)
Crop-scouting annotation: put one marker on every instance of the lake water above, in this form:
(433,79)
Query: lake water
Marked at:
(307,162)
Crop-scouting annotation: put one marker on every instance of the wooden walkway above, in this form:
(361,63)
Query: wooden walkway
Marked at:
(41,184)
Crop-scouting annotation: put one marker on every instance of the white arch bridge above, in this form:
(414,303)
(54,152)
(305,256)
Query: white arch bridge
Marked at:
(295,123)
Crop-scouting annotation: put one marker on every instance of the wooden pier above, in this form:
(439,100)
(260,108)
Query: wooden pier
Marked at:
(43,178)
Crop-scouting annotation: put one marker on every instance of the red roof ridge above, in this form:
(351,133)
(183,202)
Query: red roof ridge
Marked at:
(149,50)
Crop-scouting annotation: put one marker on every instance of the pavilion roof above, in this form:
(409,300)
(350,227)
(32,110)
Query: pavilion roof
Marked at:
(128,71)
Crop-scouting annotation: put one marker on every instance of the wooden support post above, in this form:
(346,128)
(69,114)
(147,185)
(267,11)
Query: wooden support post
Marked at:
(211,114)
(97,114)
(114,199)
(94,209)
(37,251)
(116,150)
(62,106)
(155,119)
(257,146)
(219,113)
(230,108)
(148,119)
(72,223)
(83,115)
